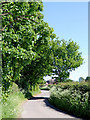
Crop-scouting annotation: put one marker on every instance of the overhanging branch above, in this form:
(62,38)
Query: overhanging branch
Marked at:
(28,19)
(3,28)
(19,16)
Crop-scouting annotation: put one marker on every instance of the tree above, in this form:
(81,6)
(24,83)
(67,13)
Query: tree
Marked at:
(30,50)
(66,57)
(25,43)
(87,79)
(81,79)
(68,80)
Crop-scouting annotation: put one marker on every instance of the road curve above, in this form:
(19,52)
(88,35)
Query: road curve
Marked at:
(39,107)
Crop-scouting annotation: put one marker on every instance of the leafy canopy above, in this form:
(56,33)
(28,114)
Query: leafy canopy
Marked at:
(30,47)
(25,42)
(66,57)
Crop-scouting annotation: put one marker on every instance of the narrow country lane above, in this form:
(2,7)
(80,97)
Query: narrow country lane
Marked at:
(39,107)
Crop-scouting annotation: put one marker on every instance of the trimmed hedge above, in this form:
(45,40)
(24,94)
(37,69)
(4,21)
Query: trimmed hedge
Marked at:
(72,99)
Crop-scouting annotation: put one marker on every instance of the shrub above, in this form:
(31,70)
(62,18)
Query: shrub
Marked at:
(72,99)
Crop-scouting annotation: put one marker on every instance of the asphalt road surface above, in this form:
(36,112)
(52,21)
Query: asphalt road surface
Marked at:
(39,107)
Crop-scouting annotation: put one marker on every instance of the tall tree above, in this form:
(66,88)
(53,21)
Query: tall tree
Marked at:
(87,79)
(66,57)
(25,39)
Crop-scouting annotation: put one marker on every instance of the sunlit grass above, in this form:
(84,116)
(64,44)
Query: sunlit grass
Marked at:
(36,92)
(11,108)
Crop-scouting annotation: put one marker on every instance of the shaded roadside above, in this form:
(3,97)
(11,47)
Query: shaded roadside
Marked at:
(39,107)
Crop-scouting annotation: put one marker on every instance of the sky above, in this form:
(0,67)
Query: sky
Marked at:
(70,21)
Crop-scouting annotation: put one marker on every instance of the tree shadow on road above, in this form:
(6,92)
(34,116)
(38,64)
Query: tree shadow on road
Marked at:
(46,101)
(51,106)
(36,98)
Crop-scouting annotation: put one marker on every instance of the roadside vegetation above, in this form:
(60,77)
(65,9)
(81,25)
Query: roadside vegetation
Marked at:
(45,88)
(72,98)
(11,105)
(31,50)
(35,90)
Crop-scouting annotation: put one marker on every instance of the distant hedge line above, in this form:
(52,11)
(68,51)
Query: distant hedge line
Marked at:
(73,99)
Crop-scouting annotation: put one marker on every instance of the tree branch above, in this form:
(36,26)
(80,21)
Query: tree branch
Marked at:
(4,14)
(3,28)
(28,19)
(19,16)
(16,17)
(4,3)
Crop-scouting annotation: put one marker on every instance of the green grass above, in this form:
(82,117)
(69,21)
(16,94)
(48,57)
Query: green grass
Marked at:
(45,88)
(11,108)
(36,92)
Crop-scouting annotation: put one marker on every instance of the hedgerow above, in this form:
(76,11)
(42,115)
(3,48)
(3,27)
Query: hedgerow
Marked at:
(74,100)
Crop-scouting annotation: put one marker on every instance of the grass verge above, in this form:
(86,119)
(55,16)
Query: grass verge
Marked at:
(36,92)
(11,108)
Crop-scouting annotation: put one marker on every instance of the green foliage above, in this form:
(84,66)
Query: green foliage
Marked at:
(25,43)
(11,107)
(36,92)
(51,85)
(66,57)
(30,50)
(25,39)
(87,79)
(72,99)
(41,81)
(45,88)
(41,85)
(68,80)
(28,94)
(30,90)
(73,83)
(81,79)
